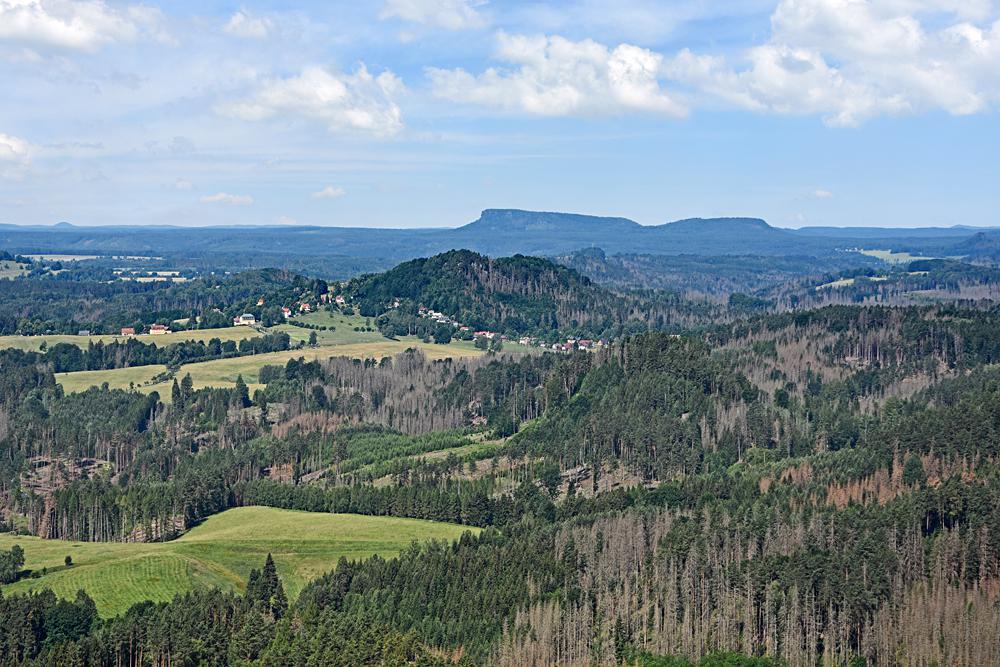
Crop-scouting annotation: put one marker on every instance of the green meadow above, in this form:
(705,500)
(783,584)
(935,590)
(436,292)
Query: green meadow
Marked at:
(219,552)
(11,269)
(893,257)
(223,372)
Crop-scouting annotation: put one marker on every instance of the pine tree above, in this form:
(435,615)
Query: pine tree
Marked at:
(187,387)
(242,395)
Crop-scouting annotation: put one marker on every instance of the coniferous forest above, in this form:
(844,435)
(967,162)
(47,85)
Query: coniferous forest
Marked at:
(755,481)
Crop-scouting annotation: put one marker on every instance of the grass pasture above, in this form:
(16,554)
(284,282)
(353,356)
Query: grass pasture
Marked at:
(343,329)
(219,552)
(11,269)
(34,343)
(847,282)
(892,257)
(223,372)
(119,378)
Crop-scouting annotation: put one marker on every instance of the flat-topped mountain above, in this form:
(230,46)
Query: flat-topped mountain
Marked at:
(511,220)
(344,251)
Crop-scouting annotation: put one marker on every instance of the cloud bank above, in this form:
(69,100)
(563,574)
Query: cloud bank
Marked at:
(344,102)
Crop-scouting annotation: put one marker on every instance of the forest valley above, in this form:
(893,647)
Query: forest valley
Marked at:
(772,487)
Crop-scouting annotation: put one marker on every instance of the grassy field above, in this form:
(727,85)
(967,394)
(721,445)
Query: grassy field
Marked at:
(11,269)
(119,378)
(219,552)
(893,257)
(343,328)
(847,282)
(204,335)
(223,372)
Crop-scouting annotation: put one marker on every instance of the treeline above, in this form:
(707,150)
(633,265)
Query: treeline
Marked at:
(67,303)
(256,628)
(66,357)
(207,627)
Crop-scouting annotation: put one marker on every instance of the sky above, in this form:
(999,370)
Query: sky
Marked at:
(419,113)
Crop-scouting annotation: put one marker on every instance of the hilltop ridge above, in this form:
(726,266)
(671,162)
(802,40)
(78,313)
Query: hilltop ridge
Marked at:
(339,252)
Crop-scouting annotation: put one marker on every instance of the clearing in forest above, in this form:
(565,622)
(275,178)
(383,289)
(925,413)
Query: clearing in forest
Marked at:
(223,372)
(220,552)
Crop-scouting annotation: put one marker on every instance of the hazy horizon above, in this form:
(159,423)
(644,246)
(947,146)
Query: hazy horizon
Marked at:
(273,225)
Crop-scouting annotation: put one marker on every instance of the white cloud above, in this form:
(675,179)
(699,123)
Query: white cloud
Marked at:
(13,149)
(554,76)
(849,60)
(330,192)
(822,194)
(345,102)
(183,184)
(226,198)
(75,24)
(286,220)
(449,14)
(244,24)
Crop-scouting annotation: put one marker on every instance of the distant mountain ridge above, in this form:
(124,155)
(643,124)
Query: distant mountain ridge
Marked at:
(339,251)
(505,220)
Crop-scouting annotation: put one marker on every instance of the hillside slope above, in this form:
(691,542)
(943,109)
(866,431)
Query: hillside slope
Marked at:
(218,553)
(511,294)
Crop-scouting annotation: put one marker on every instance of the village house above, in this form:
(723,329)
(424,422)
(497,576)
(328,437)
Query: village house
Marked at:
(286,312)
(340,300)
(158,329)
(245,320)
(260,301)
(83,332)
(305,307)
(128,331)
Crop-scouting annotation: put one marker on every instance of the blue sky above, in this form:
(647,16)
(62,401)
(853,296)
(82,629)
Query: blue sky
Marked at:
(405,113)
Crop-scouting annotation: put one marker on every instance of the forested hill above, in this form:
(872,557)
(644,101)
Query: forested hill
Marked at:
(509,294)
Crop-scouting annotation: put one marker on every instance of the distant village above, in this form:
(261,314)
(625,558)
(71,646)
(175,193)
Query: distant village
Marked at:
(466,332)
(242,320)
(570,345)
